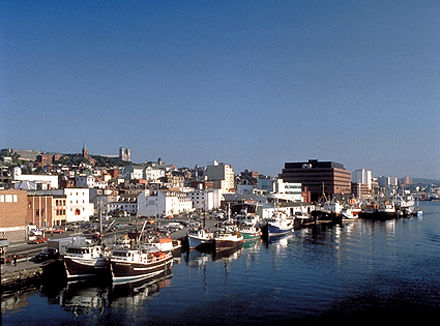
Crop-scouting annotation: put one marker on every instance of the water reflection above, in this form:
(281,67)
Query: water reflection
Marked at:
(85,298)
(14,302)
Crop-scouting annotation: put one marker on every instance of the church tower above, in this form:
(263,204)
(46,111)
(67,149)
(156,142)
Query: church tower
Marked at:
(85,152)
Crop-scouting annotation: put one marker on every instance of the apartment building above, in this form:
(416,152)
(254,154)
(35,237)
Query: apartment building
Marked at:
(223,176)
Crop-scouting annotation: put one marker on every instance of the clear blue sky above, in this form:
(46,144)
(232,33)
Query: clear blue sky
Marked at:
(250,83)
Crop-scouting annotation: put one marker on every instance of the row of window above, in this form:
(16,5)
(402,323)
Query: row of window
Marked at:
(8,198)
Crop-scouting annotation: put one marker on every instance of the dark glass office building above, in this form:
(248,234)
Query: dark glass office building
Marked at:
(315,175)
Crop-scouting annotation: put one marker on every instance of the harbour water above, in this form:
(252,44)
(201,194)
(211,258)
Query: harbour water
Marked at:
(360,271)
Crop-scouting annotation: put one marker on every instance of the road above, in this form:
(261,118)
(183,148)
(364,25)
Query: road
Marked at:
(30,250)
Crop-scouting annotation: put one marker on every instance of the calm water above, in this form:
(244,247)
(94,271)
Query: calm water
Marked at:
(361,271)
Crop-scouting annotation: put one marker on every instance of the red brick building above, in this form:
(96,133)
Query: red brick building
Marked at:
(13,212)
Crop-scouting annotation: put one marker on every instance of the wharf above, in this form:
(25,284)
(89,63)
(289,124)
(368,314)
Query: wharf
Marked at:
(27,273)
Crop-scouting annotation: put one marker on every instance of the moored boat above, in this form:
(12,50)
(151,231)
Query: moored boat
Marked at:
(83,260)
(166,244)
(279,224)
(250,233)
(348,214)
(201,239)
(228,240)
(129,265)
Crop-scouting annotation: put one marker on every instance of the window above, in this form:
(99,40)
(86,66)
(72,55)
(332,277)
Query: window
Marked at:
(15,198)
(2,198)
(8,198)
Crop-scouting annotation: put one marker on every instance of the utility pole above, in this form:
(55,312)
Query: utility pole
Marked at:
(100,215)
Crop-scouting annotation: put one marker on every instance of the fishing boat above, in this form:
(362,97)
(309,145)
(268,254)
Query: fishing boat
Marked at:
(279,224)
(228,240)
(134,264)
(348,214)
(201,239)
(83,259)
(303,216)
(250,232)
(165,244)
(228,237)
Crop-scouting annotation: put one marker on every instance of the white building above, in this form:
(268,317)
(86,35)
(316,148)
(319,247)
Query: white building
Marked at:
(133,172)
(41,181)
(153,174)
(277,189)
(205,199)
(163,203)
(128,205)
(223,176)
(362,176)
(89,182)
(78,207)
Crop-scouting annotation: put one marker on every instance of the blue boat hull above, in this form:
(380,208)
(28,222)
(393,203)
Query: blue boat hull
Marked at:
(274,231)
(198,243)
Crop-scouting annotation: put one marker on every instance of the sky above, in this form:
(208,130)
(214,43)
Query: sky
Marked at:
(251,83)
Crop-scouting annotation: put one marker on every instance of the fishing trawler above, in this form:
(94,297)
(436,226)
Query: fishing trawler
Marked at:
(83,259)
(134,264)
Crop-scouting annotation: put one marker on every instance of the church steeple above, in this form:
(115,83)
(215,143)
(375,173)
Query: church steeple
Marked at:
(85,152)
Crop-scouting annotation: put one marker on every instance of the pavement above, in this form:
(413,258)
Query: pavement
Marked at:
(22,264)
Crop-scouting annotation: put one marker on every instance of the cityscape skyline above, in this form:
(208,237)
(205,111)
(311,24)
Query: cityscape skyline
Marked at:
(122,155)
(254,85)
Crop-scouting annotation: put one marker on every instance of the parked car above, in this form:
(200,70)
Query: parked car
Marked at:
(48,253)
(56,230)
(37,240)
(175,226)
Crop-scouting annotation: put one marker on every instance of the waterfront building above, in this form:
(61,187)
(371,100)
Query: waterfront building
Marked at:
(163,202)
(78,207)
(223,176)
(205,199)
(46,210)
(126,203)
(361,191)
(13,212)
(317,176)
